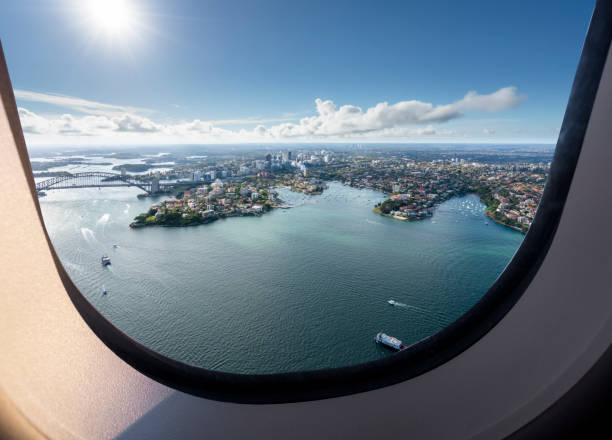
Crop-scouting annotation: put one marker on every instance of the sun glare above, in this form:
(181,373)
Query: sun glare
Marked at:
(114,17)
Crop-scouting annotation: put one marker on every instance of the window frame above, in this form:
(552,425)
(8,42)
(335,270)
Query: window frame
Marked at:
(417,359)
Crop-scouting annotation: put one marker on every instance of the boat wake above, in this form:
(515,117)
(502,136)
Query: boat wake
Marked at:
(104,219)
(88,235)
(403,305)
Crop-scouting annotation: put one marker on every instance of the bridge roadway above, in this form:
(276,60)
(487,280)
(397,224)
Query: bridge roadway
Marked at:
(96,179)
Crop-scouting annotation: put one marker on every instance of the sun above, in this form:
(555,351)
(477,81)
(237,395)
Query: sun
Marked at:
(113,17)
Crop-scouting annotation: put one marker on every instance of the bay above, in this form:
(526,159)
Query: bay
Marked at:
(297,289)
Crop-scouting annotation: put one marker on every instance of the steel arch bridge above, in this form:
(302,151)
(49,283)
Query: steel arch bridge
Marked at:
(93,179)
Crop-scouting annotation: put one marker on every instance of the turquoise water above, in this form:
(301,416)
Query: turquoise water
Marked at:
(300,288)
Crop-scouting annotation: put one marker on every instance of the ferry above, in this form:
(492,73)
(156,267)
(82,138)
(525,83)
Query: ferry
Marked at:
(389,341)
(105,260)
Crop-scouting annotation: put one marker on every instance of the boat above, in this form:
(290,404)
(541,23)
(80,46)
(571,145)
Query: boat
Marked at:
(115,246)
(393,302)
(105,260)
(389,341)
(103,290)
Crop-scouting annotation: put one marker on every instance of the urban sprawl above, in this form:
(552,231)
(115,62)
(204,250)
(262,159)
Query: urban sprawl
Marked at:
(509,183)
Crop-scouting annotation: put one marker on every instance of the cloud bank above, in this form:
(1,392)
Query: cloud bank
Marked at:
(384,120)
(351,120)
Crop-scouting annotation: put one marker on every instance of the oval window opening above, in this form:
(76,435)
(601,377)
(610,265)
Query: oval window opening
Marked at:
(253,216)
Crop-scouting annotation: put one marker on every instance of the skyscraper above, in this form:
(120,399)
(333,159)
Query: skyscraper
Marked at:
(155,185)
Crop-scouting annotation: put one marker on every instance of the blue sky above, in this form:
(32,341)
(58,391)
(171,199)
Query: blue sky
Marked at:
(201,71)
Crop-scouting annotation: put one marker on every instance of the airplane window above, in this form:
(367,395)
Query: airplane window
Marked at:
(257,188)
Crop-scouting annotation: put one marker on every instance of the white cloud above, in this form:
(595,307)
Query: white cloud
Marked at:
(502,99)
(384,120)
(352,120)
(32,123)
(250,121)
(488,131)
(133,123)
(77,104)
(64,125)
(68,124)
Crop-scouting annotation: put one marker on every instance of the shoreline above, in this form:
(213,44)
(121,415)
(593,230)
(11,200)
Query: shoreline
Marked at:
(136,225)
(278,203)
(486,213)
(379,212)
(504,224)
(376,209)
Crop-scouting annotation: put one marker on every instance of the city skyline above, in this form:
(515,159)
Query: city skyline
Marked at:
(148,73)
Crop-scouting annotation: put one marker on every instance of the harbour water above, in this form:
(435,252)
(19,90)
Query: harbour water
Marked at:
(300,288)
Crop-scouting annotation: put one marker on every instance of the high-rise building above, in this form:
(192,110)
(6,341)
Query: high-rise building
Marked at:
(155,185)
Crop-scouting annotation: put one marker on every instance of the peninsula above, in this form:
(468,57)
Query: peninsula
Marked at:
(207,203)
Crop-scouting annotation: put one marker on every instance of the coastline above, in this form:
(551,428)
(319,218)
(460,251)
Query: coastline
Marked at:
(487,213)
(379,212)
(277,203)
(280,205)
(204,221)
(499,222)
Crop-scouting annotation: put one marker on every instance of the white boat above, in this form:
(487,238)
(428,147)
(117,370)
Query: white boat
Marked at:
(393,302)
(389,341)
